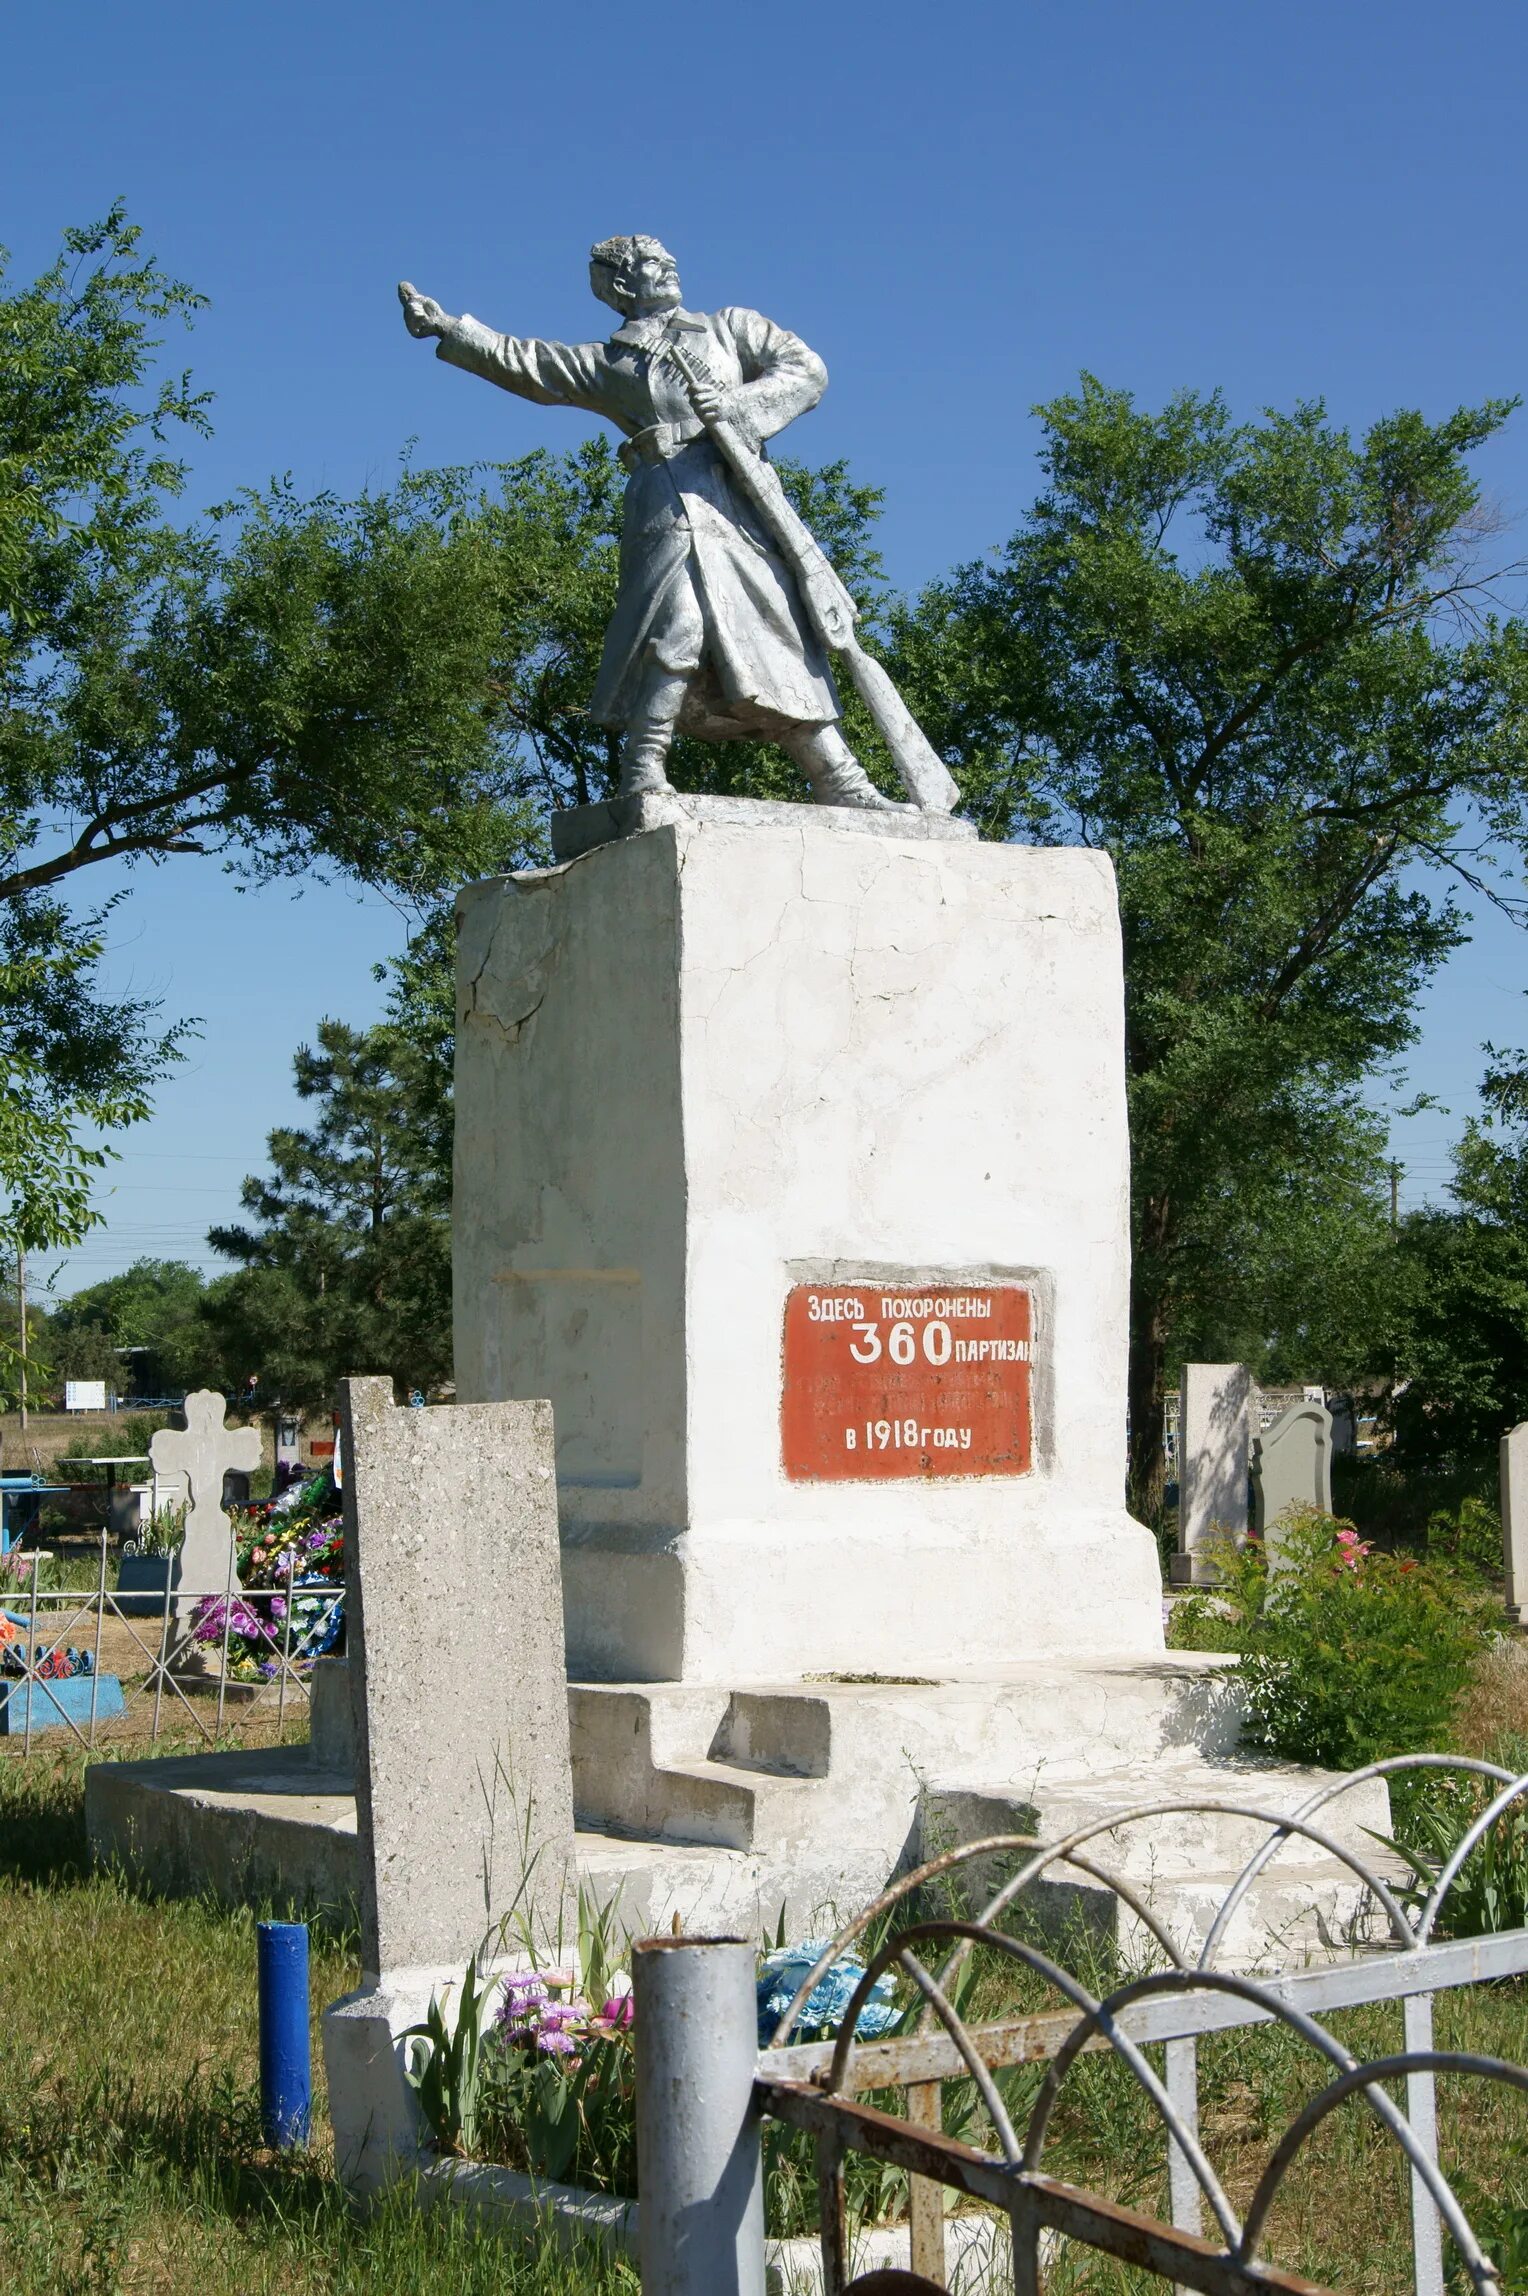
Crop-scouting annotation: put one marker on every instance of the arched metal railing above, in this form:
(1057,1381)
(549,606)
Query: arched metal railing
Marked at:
(818,2086)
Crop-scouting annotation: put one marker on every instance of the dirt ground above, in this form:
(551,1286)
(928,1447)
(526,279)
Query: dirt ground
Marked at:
(47,1433)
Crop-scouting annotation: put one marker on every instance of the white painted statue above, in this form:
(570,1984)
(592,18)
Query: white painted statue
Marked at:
(727,608)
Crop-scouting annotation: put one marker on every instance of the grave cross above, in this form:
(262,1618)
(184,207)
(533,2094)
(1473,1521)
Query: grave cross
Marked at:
(201,1454)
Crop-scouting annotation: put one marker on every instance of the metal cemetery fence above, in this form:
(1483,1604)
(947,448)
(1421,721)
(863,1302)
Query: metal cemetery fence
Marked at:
(95,1658)
(703,2090)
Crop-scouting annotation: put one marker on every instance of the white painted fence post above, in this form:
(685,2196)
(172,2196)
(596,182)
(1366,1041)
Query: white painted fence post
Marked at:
(1183,2094)
(1422,2112)
(700,2175)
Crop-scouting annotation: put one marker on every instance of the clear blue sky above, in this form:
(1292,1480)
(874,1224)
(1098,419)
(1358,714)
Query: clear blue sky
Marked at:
(960,207)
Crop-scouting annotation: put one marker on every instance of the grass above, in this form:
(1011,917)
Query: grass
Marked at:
(130,2149)
(131,2158)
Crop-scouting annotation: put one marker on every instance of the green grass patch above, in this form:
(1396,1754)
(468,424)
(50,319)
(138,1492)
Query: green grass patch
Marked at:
(131,2159)
(130,2150)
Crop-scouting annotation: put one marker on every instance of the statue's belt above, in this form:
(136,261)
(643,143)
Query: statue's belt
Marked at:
(659,442)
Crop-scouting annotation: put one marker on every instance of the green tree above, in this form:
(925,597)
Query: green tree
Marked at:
(230,686)
(279,686)
(1256,663)
(347,1264)
(143,1329)
(1459,1347)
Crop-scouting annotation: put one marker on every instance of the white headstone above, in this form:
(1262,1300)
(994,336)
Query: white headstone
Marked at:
(454,1628)
(1514,1515)
(1214,1451)
(1291,1467)
(199,1456)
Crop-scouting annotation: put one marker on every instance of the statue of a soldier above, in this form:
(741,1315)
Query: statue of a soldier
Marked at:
(726,606)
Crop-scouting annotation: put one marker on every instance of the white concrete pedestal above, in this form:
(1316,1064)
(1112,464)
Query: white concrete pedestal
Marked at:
(712,1062)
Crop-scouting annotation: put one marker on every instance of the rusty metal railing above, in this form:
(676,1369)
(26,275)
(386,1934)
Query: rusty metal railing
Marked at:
(819,2086)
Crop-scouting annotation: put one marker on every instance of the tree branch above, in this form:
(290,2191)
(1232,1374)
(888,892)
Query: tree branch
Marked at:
(89,847)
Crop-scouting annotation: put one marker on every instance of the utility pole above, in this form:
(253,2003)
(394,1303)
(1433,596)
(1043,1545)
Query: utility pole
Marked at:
(1395,1193)
(21,1297)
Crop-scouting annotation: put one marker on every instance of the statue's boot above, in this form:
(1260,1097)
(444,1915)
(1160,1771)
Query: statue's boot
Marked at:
(835,773)
(649,731)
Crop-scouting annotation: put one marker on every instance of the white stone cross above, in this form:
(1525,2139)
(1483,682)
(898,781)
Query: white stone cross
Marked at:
(200,1455)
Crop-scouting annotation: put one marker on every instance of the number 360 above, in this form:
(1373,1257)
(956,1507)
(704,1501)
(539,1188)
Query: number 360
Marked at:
(901,1343)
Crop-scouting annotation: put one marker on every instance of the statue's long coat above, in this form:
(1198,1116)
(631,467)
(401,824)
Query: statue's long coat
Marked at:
(685,525)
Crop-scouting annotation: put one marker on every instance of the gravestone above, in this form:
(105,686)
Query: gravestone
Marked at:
(1214,1448)
(1344,1426)
(464,1796)
(197,1458)
(1291,1467)
(455,1626)
(1514,1516)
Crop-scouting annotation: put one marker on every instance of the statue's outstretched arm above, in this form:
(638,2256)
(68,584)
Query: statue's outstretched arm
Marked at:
(555,374)
(422,315)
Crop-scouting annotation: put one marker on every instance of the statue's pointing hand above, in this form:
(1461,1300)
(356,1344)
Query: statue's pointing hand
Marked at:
(422,315)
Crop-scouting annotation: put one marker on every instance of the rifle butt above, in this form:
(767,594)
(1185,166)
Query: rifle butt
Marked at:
(925,776)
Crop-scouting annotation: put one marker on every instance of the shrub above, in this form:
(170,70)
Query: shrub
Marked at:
(1467,1538)
(1346,1655)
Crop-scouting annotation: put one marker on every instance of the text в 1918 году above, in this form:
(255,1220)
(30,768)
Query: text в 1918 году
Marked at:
(883,1386)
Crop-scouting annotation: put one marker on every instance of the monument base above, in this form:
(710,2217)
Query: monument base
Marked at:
(733,1809)
(583,827)
(901,1595)
(792,1167)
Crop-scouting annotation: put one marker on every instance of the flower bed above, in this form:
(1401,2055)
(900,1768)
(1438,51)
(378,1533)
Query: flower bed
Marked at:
(538,2080)
(290,1561)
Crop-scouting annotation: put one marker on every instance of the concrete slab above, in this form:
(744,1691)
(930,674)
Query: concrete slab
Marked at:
(731,1809)
(240,1826)
(79,1698)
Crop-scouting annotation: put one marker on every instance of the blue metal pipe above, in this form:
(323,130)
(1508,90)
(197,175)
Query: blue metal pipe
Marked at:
(286,2061)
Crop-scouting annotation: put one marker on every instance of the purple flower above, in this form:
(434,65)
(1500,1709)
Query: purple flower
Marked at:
(523,1990)
(553,2042)
(520,2009)
(215,1611)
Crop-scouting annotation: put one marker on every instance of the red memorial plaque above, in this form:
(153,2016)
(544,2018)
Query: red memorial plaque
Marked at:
(892,1385)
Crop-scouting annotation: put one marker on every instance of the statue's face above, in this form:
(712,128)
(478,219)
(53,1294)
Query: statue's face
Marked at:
(650,283)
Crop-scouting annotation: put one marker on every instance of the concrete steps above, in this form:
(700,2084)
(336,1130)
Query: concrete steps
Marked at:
(1307,1903)
(879,1776)
(673,1762)
(734,1807)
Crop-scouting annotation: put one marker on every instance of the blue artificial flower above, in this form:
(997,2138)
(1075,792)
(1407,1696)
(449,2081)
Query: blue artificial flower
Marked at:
(780,1979)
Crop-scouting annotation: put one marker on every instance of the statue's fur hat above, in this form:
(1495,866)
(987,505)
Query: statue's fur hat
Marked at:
(608,258)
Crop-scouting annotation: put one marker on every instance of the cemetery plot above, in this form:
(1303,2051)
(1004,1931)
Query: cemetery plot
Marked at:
(914,1384)
(79,1657)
